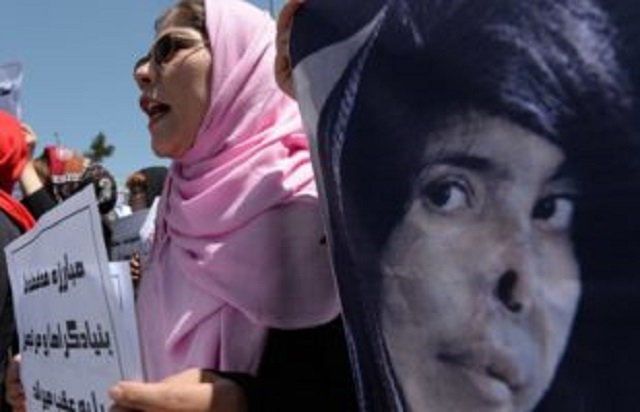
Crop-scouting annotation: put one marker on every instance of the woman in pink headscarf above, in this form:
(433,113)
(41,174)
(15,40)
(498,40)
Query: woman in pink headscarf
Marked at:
(238,293)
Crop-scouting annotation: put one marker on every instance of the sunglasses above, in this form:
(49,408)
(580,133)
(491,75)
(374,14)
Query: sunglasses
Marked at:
(166,47)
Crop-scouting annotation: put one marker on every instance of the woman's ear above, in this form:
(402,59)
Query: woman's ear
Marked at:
(283,70)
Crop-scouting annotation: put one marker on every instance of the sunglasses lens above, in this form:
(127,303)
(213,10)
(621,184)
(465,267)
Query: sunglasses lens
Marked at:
(163,50)
(167,46)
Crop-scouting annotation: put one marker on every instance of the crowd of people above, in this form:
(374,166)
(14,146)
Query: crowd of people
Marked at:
(451,251)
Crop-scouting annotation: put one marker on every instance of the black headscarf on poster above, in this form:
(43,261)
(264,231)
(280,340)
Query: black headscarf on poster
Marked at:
(599,371)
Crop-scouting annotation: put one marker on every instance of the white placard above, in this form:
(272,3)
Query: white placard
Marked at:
(126,326)
(125,236)
(76,333)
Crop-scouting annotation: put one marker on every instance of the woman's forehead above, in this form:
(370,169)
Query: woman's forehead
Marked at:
(470,124)
(177,29)
(495,140)
(174,19)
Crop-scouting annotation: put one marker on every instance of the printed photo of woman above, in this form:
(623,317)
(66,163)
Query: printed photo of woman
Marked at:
(481,169)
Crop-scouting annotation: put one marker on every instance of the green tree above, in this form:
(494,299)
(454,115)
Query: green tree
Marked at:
(99,148)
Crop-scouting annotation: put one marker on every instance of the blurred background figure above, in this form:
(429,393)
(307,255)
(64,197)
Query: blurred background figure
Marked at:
(64,172)
(133,233)
(144,186)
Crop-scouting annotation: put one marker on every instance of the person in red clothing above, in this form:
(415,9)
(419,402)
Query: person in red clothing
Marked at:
(15,219)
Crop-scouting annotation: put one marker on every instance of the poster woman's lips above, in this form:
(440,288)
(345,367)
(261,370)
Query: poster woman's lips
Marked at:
(496,374)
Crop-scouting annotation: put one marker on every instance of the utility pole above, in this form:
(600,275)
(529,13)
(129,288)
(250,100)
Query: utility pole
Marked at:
(271,10)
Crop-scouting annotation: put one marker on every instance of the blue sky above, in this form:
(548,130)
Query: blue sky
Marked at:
(77,57)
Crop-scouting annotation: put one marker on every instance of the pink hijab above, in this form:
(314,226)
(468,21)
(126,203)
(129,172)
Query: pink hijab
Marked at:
(216,281)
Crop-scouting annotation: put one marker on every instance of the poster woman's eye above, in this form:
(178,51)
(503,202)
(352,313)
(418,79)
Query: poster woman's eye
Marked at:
(446,195)
(555,212)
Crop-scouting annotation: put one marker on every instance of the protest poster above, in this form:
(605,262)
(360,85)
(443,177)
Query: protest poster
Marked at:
(76,330)
(10,84)
(478,162)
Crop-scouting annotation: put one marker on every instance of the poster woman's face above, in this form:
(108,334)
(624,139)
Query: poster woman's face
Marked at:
(480,281)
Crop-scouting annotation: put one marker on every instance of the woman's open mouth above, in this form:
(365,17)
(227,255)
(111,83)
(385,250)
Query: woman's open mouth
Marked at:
(154,109)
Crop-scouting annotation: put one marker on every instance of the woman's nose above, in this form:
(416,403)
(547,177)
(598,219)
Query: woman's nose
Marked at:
(514,272)
(142,73)
(510,291)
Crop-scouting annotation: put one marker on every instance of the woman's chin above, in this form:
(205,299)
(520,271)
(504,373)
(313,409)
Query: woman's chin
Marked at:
(165,146)
(165,152)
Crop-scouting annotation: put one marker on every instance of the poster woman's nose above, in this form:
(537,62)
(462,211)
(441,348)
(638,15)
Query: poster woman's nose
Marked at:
(510,291)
